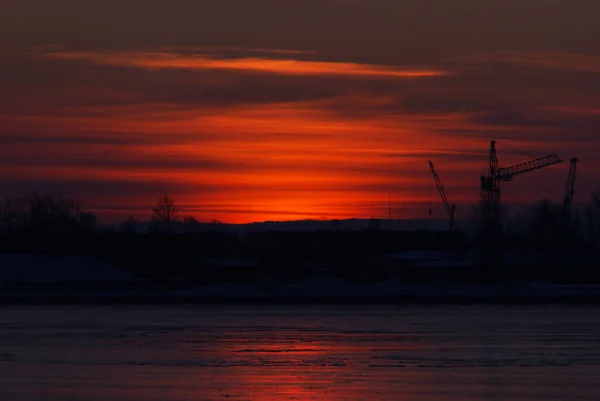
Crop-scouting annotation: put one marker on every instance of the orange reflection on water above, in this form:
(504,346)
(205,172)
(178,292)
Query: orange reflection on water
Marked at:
(287,369)
(295,365)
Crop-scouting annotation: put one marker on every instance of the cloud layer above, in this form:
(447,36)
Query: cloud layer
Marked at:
(321,120)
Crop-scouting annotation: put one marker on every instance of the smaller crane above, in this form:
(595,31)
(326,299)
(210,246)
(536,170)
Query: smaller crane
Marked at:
(569,192)
(440,186)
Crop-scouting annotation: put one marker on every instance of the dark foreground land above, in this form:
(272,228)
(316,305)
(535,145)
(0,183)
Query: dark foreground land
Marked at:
(285,267)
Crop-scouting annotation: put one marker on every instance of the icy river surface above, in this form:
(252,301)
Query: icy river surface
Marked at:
(262,353)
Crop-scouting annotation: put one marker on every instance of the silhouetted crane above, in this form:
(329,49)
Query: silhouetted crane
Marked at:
(494,176)
(569,192)
(440,186)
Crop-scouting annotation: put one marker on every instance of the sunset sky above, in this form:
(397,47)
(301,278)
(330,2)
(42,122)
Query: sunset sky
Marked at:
(278,110)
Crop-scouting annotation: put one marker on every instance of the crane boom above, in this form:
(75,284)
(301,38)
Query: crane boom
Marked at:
(506,174)
(570,191)
(440,186)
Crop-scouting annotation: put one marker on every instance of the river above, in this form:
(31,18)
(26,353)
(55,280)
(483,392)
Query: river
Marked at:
(262,353)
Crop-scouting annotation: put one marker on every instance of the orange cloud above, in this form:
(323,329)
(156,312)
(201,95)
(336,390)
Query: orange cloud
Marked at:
(175,60)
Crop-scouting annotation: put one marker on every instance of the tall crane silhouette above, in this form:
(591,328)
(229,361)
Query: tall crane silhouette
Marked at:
(569,192)
(440,186)
(492,178)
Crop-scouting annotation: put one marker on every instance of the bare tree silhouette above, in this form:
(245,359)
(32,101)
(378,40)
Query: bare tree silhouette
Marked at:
(166,212)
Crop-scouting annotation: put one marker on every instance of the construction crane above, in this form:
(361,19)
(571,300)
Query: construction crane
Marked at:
(494,176)
(440,186)
(569,192)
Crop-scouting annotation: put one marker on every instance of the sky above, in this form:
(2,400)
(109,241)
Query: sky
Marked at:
(302,109)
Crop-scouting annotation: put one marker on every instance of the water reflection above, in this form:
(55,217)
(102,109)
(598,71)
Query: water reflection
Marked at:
(179,354)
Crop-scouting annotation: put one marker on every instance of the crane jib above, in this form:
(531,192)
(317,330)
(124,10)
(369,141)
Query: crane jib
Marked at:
(506,174)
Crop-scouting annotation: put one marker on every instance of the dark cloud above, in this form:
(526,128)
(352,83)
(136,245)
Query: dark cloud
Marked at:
(521,119)
(440,154)
(96,193)
(106,138)
(406,30)
(131,163)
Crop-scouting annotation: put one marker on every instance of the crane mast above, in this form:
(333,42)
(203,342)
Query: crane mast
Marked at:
(490,193)
(440,186)
(569,192)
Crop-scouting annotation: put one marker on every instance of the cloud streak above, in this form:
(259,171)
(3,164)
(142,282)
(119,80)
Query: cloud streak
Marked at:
(160,60)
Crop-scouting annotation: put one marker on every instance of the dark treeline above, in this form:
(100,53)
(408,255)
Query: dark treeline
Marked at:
(173,245)
(36,214)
